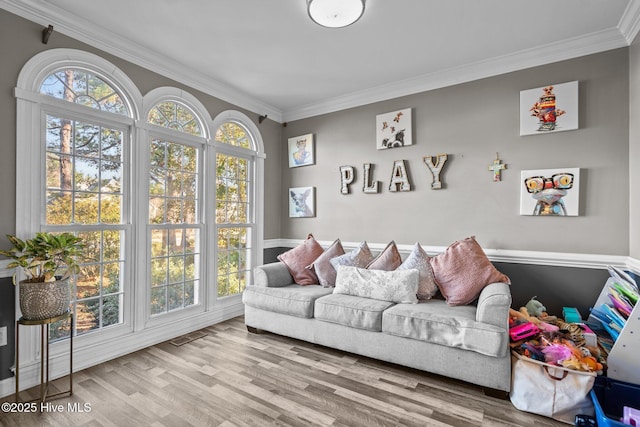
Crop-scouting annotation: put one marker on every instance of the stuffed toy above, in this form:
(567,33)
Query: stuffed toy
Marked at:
(535,308)
(524,316)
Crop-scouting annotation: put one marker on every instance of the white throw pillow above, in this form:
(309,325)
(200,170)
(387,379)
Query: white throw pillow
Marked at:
(396,286)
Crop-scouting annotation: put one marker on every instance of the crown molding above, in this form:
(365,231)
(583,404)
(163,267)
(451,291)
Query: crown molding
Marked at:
(70,25)
(45,13)
(566,49)
(629,24)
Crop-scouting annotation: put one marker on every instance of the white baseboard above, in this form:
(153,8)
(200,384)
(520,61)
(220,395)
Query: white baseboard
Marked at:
(555,259)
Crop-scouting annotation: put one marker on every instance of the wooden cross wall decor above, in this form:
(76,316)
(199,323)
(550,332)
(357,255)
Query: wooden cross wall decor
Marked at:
(497,167)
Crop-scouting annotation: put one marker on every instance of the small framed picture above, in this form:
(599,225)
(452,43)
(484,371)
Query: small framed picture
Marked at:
(301,151)
(394,129)
(302,202)
(551,108)
(550,192)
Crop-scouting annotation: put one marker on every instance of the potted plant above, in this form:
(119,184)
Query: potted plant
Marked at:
(47,260)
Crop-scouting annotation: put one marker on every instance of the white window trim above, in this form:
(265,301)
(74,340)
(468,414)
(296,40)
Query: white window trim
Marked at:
(31,106)
(258,156)
(148,131)
(91,349)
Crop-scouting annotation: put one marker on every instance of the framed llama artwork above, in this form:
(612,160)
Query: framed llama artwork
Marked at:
(301,150)
(550,192)
(394,129)
(302,202)
(551,108)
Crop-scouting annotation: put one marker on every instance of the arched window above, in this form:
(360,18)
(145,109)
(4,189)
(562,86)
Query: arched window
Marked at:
(236,216)
(84,88)
(176,146)
(174,115)
(127,173)
(83,186)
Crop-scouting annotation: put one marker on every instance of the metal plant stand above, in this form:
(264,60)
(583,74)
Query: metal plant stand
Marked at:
(44,356)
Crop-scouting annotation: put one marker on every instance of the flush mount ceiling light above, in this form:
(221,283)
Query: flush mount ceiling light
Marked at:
(335,13)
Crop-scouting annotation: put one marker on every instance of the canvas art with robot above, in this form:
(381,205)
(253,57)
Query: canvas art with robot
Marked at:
(548,109)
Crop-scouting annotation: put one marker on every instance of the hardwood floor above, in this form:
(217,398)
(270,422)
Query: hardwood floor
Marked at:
(231,377)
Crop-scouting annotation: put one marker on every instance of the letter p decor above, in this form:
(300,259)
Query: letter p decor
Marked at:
(347,175)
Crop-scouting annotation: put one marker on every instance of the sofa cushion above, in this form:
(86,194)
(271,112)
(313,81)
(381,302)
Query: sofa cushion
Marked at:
(322,266)
(389,259)
(419,260)
(395,286)
(348,310)
(436,322)
(358,257)
(295,300)
(274,274)
(463,270)
(298,258)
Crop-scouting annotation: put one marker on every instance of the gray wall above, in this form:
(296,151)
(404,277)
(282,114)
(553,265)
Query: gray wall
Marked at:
(634,149)
(471,122)
(20,40)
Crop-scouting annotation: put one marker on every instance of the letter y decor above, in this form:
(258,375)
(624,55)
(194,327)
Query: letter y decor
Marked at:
(435,169)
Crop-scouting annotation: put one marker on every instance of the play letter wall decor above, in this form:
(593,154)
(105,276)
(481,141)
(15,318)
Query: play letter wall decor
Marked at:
(370,186)
(435,169)
(347,175)
(399,177)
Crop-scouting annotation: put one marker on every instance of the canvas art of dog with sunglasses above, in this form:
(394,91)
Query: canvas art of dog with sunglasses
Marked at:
(548,192)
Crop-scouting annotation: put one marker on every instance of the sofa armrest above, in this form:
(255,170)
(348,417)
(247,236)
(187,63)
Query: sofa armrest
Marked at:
(272,275)
(493,305)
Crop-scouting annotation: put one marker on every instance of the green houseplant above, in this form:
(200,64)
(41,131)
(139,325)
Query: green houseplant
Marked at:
(47,260)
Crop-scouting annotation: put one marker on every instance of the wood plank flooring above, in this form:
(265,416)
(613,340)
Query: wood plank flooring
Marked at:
(234,378)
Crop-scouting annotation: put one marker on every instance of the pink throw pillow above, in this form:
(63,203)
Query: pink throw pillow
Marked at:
(463,270)
(323,268)
(298,258)
(389,259)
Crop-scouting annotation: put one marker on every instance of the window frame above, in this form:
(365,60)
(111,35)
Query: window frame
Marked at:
(138,330)
(153,131)
(256,157)
(32,109)
(125,224)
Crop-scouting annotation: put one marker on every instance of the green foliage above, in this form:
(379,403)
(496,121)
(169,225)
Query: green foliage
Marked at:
(45,256)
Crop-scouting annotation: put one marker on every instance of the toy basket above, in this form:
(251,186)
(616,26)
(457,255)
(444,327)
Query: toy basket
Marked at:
(550,390)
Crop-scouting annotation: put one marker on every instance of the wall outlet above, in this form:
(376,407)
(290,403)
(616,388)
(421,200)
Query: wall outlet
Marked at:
(3,336)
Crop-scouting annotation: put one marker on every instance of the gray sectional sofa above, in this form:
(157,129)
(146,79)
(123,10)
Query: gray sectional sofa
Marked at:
(468,342)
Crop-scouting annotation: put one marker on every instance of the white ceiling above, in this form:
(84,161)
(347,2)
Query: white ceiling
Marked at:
(267,55)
